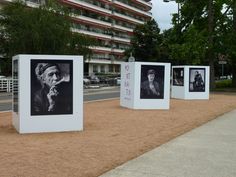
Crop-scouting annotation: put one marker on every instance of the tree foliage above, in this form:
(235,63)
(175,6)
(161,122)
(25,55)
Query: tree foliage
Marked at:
(202,31)
(192,49)
(146,42)
(229,41)
(42,30)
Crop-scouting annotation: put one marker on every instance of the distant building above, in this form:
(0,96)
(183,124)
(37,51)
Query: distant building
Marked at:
(111,22)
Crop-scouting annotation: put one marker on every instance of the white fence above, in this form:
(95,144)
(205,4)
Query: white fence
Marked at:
(5,85)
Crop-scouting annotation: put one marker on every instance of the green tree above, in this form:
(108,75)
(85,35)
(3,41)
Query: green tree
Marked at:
(229,31)
(146,42)
(189,47)
(43,30)
(198,27)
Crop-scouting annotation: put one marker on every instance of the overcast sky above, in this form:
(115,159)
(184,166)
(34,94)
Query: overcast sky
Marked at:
(162,13)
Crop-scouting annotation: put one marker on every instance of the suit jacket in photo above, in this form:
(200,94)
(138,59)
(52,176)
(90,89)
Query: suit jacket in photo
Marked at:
(147,93)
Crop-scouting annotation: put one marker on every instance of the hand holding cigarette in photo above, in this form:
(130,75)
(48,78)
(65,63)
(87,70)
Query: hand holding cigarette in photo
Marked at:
(53,93)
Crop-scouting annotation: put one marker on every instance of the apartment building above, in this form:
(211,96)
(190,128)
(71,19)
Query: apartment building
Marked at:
(111,22)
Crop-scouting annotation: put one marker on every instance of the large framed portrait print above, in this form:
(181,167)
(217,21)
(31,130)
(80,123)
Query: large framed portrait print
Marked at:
(51,87)
(197,79)
(152,82)
(50,93)
(145,85)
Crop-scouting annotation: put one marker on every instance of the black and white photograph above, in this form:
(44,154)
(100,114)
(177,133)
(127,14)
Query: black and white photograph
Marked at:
(15,86)
(51,87)
(178,76)
(152,82)
(197,79)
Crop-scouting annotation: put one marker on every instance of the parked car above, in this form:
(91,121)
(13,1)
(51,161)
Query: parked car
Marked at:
(86,81)
(118,80)
(94,79)
(103,80)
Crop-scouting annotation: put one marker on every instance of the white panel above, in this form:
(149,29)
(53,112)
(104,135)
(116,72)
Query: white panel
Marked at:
(15,113)
(141,103)
(49,123)
(127,84)
(178,91)
(152,103)
(198,95)
(183,92)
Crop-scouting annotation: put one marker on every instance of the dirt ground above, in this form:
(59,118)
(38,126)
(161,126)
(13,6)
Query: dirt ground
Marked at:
(112,135)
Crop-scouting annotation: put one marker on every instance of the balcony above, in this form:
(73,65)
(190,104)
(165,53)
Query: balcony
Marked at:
(91,21)
(106,49)
(125,6)
(29,3)
(119,51)
(127,18)
(32,4)
(98,61)
(101,49)
(121,28)
(88,6)
(122,40)
(101,36)
(144,3)
(93,34)
(105,1)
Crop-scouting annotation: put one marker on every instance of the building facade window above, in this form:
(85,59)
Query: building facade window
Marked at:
(102,68)
(95,68)
(110,68)
(117,68)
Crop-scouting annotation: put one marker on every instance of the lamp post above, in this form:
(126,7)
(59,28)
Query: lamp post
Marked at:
(178,21)
(131,58)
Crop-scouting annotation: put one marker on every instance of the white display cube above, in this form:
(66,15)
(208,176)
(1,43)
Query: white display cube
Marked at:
(190,82)
(145,85)
(47,93)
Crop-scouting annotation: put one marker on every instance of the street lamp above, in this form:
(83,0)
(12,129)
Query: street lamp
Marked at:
(131,58)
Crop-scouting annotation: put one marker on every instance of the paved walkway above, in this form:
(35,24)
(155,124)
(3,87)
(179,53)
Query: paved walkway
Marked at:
(207,151)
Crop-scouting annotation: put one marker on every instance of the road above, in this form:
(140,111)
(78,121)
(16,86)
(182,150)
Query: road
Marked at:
(89,95)
(101,94)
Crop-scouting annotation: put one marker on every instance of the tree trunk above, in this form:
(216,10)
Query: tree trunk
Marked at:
(234,74)
(234,59)
(210,46)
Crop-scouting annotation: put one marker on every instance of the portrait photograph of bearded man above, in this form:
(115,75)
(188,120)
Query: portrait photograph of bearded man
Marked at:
(152,82)
(51,87)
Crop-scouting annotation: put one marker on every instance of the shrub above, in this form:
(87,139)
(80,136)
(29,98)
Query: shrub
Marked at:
(224,84)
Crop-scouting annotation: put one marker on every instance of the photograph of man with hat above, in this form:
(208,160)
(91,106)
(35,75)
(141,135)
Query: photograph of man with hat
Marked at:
(54,93)
(152,78)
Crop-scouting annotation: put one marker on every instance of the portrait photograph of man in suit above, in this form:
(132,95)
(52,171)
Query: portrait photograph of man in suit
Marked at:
(152,82)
